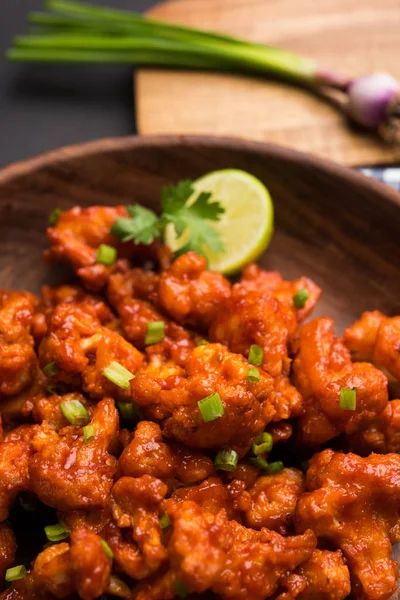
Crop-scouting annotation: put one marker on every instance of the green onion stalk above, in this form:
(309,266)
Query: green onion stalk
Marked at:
(72,32)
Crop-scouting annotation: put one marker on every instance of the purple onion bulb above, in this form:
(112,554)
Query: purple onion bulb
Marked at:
(370,98)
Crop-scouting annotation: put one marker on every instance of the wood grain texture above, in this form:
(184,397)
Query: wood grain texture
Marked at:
(332,224)
(350,36)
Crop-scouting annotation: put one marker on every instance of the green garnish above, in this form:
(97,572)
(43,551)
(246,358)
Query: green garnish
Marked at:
(107,549)
(54,216)
(144,226)
(75,412)
(56,533)
(50,370)
(180,589)
(259,462)
(165,521)
(56,388)
(130,411)
(253,375)
(264,465)
(88,433)
(116,373)
(106,255)
(256,355)
(262,443)
(226,460)
(155,333)
(300,299)
(275,467)
(203,342)
(15,573)
(348,398)
(211,407)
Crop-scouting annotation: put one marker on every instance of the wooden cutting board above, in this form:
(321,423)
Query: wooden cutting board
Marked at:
(351,36)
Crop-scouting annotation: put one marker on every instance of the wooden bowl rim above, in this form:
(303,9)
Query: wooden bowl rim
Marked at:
(66,153)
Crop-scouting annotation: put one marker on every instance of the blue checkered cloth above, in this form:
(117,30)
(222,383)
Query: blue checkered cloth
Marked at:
(388,175)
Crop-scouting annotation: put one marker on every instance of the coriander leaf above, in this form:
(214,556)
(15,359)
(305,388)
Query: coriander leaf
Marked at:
(173,197)
(143,226)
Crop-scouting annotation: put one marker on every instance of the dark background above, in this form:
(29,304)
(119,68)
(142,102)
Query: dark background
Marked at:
(46,106)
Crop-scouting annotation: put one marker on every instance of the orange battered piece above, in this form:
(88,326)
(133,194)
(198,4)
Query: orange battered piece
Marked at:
(353,503)
(81,348)
(8,549)
(69,473)
(208,552)
(381,435)
(134,283)
(321,368)
(271,283)
(376,338)
(327,576)
(148,454)
(14,474)
(210,369)
(190,294)
(250,317)
(17,357)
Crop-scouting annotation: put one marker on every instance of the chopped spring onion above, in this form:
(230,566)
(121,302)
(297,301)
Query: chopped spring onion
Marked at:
(107,549)
(75,412)
(300,299)
(88,433)
(226,460)
(275,467)
(259,462)
(262,443)
(129,411)
(56,533)
(55,389)
(54,216)
(15,573)
(348,398)
(256,355)
(106,255)
(155,333)
(50,369)
(116,373)
(211,407)
(180,589)
(203,342)
(165,521)
(253,375)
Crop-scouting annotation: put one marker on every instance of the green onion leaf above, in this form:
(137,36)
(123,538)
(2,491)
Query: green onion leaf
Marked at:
(75,412)
(15,573)
(117,374)
(180,589)
(107,549)
(211,407)
(262,443)
(256,355)
(203,342)
(55,389)
(130,411)
(348,398)
(259,462)
(253,375)
(165,521)
(106,255)
(88,433)
(56,533)
(226,460)
(155,332)
(50,370)
(300,299)
(54,216)
(275,467)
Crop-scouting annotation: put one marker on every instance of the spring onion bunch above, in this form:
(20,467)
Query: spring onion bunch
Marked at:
(81,33)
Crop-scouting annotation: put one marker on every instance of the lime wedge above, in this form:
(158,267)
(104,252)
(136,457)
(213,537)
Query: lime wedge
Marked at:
(247,224)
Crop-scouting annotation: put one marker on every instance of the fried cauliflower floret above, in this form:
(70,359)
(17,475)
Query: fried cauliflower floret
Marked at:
(321,368)
(327,576)
(285,399)
(149,454)
(52,571)
(190,294)
(8,549)
(134,283)
(14,473)
(353,503)
(208,552)
(273,500)
(18,408)
(381,435)
(17,356)
(70,474)
(91,566)
(271,283)
(135,538)
(248,318)
(210,369)
(81,348)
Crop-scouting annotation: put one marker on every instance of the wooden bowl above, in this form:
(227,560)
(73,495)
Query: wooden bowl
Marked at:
(332,224)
